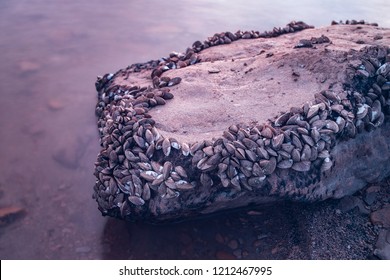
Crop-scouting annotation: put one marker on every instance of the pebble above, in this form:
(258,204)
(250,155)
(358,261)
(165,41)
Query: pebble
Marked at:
(55,105)
(254,213)
(322,78)
(222,255)
(238,253)
(233,244)
(7,212)
(219,238)
(262,236)
(67,158)
(373,189)
(370,198)
(66,231)
(29,66)
(275,250)
(381,217)
(214,71)
(348,203)
(64,186)
(70,155)
(382,245)
(83,249)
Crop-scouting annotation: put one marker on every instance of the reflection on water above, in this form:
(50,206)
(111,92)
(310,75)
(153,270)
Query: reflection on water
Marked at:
(51,53)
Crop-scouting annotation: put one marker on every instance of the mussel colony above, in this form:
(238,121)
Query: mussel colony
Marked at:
(142,175)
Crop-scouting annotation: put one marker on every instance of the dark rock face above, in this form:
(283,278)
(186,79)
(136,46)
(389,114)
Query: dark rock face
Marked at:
(329,147)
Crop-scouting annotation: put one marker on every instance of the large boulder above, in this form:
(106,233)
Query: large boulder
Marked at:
(298,113)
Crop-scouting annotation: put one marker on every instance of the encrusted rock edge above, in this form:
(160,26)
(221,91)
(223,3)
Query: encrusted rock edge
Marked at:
(331,147)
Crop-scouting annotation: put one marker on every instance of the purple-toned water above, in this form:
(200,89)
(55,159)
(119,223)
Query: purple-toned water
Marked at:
(51,53)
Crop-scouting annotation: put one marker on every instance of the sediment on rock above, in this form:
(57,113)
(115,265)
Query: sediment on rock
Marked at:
(232,122)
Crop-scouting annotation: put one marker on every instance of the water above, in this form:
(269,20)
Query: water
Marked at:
(51,53)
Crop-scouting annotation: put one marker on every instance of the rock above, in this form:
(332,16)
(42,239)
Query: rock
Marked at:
(70,154)
(55,105)
(275,250)
(233,244)
(214,71)
(373,189)
(381,217)
(219,238)
(222,255)
(382,249)
(254,213)
(67,157)
(348,203)
(237,253)
(26,66)
(8,214)
(220,139)
(262,236)
(370,198)
(258,243)
(83,249)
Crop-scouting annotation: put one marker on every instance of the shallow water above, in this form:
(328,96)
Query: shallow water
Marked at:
(51,53)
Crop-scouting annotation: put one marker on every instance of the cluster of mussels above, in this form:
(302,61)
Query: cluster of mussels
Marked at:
(180,60)
(353,22)
(137,163)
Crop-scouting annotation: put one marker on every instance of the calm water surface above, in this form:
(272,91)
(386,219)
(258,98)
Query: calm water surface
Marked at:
(51,53)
